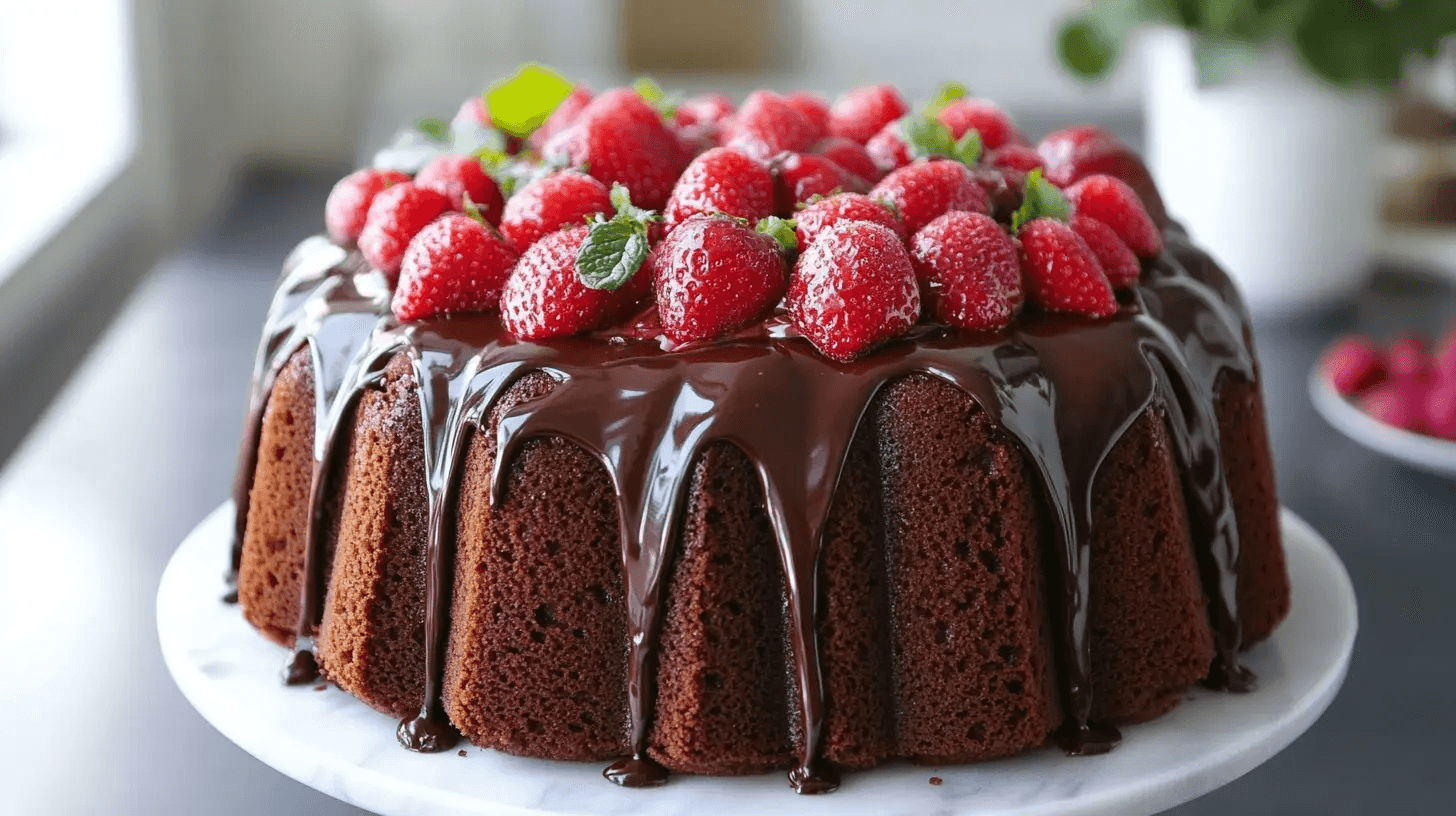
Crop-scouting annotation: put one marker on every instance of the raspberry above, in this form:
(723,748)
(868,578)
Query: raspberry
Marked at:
(816,110)
(458,176)
(826,212)
(853,289)
(1018,157)
(968,270)
(547,204)
(714,274)
(619,138)
(1115,204)
(722,180)
(1409,359)
(1074,153)
(1117,261)
(394,218)
(800,177)
(545,296)
(1060,271)
(850,155)
(990,121)
(766,125)
(860,113)
(349,201)
(455,264)
(705,109)
(560,119)
(924,190)
(1354,365)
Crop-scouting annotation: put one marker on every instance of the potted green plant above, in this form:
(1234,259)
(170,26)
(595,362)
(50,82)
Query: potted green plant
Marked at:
(1262,121)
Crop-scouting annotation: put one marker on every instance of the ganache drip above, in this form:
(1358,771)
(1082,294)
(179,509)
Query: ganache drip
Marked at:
(1064,388)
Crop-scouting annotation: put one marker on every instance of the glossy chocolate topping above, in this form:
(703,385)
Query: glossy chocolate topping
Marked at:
(1065,388)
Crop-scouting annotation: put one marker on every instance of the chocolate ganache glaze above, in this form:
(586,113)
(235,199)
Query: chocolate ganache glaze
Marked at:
(1065,388)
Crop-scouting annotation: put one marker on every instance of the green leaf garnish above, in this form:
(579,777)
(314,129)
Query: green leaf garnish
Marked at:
(647,88)
(1041,200)
(948,93)
(614,250)
(781,230)
(967,148)
(520,104)
(925,136)
(437,130)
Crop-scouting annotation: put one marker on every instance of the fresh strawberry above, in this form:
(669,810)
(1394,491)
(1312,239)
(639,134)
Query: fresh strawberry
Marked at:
(853,289)
(1409,359)
(1015,156)
(1003,188)
(547,204)
(812,106)
(961,115)
(800,177)
(826,212)
(887,148)
(456,177)
(722,180)
(704,109)
(455,264)
(545,295)
(1112,202)
(924,190)
(472,112)
(396,215)
(767,125)
(860,113)
(1445,354)
(1440,410)
(1074,153)
(349,201)
(618,137)
(850,155)
(1399,403)
(1117,261)
(1354,365)
(968,270)
(714,274)
(1061,273)
(560,119)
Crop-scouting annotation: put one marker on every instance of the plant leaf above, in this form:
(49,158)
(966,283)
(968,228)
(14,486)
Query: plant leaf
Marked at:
(925,136)
(1042,200)
(519,104)
(437,130)
(968,148)
(948,93)
(781,230)
(612,253)
(1086,47)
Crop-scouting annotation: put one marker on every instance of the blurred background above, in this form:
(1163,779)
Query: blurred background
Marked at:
(161,158)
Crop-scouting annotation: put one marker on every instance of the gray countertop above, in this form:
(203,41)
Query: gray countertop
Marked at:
(141,443)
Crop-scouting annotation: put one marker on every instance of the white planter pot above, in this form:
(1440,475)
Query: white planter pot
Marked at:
(1272,171)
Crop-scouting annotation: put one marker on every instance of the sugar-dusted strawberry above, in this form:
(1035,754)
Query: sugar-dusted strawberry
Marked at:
(455,264)
(924,190)
(1060,271)
(860,113)
(917,136)
(1076,152)
(562,117)
(826,212)
(851,156)
(995,127)
(853,289)
(887,148)
(766,125)
(968,270)
(1399,403)
(801,177)
(1015,156)
(1112,202)
(457,177)
(1003,188)
(703,109)
(473,111)
(714,274)
(1117,261)
(396,215)
(722,180)
(348,203)
(1409,359)
(1354,365)
(814,108)
(619,138)
(564,198)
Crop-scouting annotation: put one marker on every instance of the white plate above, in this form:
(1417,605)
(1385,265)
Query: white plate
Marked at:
(330,741)
(1423,452)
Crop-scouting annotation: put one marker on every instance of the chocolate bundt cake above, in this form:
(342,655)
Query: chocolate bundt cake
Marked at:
(744,551)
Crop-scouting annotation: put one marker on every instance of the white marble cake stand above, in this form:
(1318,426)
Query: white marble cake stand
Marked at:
(330,741)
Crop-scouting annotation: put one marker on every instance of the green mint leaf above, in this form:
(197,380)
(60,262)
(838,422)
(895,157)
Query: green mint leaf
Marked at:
(1042,200)
(925,136)
(781,230)
(622,202)
(647,88)
(613,252)
(968,147)
(438,130)
(520,104)
(948,93)
(1086,47)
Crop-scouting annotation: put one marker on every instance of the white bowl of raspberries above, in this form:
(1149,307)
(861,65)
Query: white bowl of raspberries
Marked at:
(1399,399)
